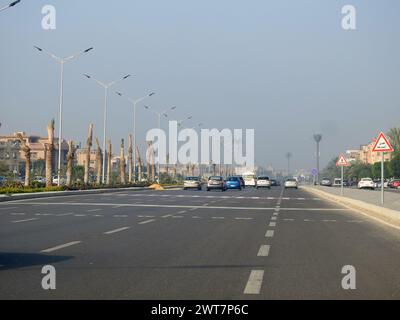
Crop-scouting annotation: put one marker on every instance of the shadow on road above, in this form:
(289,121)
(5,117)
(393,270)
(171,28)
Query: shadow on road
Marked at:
(14,260)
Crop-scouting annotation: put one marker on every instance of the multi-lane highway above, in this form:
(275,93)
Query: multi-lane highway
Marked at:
(175,244)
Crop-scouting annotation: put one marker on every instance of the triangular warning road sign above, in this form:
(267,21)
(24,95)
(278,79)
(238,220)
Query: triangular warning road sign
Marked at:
(382,144)
(342,161)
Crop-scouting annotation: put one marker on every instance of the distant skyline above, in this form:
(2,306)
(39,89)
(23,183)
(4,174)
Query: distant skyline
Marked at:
(285,68)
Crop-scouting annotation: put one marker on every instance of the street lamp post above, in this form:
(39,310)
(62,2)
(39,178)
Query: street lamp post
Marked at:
(134,103)
(12,4)
(106,86)
(317,139)
(61,61)
(288,156)
(159,114)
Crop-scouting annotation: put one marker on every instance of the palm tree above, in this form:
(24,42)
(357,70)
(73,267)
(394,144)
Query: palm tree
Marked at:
(99,159)
(394,135)
(130,159)
(49,153)
(148,156)
(139,164)
(70,158)
(27,153)
(89,143)
(122,163)
(109,156)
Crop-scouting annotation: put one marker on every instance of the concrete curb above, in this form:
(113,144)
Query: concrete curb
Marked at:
(35,195)
(385,215)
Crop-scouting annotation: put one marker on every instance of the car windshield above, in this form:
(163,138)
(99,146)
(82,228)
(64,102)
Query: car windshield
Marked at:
(216,178)
(366,179)
(192,179)
(291,180)
(233,179)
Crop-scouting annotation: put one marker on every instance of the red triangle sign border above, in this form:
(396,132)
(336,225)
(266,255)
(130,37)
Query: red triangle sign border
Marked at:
(388,146)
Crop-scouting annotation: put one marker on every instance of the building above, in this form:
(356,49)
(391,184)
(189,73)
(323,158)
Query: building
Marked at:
(12,155)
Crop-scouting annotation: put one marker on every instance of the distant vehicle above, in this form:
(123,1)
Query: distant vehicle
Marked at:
(249,179)
(242,184)
(326,182)
(63,180)
(3,181)
(366,183)
(395,184)
(192,183)
(216,182)
(39,179)
(275,183)
(291,183)
(263,182)
(233,183)
(346,183)
(337,182)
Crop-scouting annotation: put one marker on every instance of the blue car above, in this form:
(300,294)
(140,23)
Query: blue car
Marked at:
(233,183)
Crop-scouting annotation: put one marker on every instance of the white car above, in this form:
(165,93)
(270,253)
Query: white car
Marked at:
(366,183)
(192,183)
(263,182)
(291,183)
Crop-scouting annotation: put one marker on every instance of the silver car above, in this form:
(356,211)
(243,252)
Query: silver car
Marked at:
(192,183)
(291,183)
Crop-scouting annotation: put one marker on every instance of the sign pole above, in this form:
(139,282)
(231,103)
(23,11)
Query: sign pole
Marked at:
(382,179)
(341,182)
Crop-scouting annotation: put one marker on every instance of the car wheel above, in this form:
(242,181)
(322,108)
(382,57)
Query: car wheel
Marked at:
(208,189)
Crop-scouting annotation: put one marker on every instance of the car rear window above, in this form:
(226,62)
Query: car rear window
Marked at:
(216,178)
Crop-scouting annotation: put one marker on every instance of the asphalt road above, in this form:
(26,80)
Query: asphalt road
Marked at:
(175,244)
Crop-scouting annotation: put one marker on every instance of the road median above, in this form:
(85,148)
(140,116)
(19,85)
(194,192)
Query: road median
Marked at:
(384,215)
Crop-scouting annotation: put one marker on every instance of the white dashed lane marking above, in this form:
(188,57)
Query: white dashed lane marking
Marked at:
(254,283)
(62,246)
(272,224)
(25,220)
(269,233)
(146,221)
(116,230)
(264,251)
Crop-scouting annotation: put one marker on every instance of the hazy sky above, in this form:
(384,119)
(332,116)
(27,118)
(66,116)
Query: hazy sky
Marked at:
(284,68)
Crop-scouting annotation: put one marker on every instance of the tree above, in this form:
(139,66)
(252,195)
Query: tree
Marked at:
(70,158)
(98,162)
(27,153)
(109,156)
(394,136)
(395,166)
(139,164)
(89,143)
(130,158)
(49,147)
(122,163)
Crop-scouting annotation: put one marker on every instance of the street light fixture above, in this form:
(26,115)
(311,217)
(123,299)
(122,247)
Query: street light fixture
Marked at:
(135,102)
(159,114)
(12,4)
(317,139)
(106,86)
(61,61)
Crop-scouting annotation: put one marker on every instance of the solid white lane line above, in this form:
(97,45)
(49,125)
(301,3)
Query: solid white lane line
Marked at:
(217,217)
(93,210)
(274,218)
(269,234)
(147,221)
(272,224)
(166,216)
(18,213)
(254,283)
(25,220)
(180,212)
(264,251)
(116,230)
(62,246)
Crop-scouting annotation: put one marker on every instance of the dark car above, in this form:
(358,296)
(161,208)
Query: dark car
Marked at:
(275,183)
(326,182)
